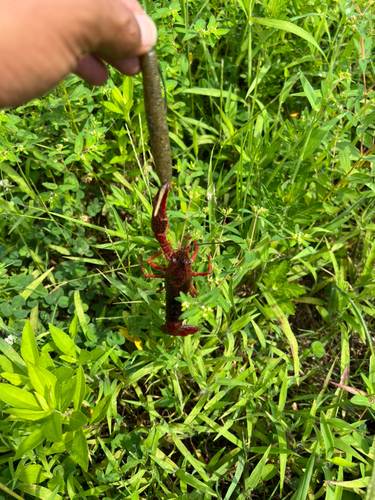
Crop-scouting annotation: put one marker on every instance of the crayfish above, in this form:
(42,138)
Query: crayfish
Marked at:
(178,274)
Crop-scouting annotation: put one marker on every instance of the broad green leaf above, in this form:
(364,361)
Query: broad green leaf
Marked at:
(285,327)
(164,465)
(16,397)
(218,428)
(281,436)
(29,349)
(80,389)
(96,491)
(303,487)
(234,383)
(43,381)
(112,107)
(362,482)
(189,457)
(88,224)
(78,144)
(38,491)
(12,174)
(259,334)
(194,482)
(53,427)
(342,462)
(11,354)
(77,420)
(310,93)
(28,415)
(98,262)
(225,463)
(340,444)
(73,327)
(66,443)
(100,410)
(209,92)
(371,485)
(30,288)
(239,471)
(256,474)
(117,97)
(288,85)
(187,356)
(80,313)
(283,393)
(319,134)
(63,341)
(67,393)
(318,349)
(290,27)
(81,450)
(241,322)
(33,473)
(30,442)
(344,158)
(327,436)
(369,266)
(262,73)
(360,400)
(15,378)
(365,333)
(62,250)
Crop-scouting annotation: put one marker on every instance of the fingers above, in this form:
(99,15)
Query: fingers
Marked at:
(121,33)
(41,42)
(92,70)
(128,34)
(128,67)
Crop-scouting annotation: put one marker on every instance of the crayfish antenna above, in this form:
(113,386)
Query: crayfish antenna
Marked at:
(186,244)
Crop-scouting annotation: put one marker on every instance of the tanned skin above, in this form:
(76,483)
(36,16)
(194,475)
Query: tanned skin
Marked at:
(42,41)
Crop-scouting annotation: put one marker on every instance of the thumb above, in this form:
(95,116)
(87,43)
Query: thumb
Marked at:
(122,33)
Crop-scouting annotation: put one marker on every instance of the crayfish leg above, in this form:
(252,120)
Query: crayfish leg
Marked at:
(193,291)
(155,266)
(196,250)
(150,275)
(154,256)
(207,272)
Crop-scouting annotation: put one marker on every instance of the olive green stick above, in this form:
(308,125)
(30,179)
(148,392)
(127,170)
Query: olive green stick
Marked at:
(156,120)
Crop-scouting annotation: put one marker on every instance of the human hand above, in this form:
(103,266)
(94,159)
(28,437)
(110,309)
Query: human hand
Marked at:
(42,41)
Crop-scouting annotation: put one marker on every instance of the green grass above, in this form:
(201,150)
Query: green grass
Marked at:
(271,126)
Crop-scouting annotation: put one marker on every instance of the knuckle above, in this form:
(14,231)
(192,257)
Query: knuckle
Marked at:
(127,29)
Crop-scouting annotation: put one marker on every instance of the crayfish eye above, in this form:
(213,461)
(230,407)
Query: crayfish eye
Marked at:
(173,261)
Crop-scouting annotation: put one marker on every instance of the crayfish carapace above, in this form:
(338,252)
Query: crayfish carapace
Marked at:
(178,274)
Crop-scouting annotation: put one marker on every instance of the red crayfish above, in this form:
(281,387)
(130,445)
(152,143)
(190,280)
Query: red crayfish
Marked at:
(178,274)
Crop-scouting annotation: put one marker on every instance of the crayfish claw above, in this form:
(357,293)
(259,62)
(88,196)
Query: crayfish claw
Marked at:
(159,220)
(177,330)
(160,202)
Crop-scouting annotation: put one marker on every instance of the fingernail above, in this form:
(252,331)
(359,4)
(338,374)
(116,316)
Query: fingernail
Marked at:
(148,30)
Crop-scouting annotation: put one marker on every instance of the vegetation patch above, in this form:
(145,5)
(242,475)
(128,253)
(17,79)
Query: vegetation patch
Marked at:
(271,119)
